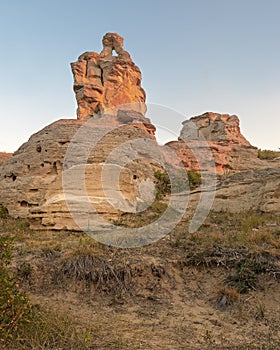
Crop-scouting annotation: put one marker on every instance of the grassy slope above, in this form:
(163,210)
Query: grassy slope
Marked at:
(215,289)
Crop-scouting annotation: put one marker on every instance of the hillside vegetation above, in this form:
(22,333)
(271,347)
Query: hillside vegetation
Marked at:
(217,288)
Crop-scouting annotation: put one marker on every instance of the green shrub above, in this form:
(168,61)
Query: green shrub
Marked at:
(4,213)
(194,179)
(179,183)
(15,308)
(246,276)
(163,185)
(25,326)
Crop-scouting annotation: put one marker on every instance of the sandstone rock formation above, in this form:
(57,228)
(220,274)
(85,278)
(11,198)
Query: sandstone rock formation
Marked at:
(250,190)
(247,182)
(111,108)
(104,82)
(254,190)
(218,136)
(42,181)
(31,181)
(214,127)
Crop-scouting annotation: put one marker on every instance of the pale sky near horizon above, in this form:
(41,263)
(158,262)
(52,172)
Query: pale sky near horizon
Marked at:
(195,56)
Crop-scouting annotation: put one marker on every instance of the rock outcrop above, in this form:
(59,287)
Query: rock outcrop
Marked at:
(104,82)
(250,190)
(254,190)
(214,127)
(246,182)
(43,182)
(217,137)
(31,183)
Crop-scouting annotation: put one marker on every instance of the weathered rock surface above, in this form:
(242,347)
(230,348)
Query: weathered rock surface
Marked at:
(214,127)
(31,181)
(111,108)
(217,137)
(257,190)
(250,190)
(103,82)
(213,142)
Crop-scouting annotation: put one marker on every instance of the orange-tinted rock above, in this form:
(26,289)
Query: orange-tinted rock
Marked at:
(214,127)
(103,82)
(4,156)
(217,139)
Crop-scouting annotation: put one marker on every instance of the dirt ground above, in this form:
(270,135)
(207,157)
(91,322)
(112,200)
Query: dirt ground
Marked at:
(164,296)
(215,289)
(181,317)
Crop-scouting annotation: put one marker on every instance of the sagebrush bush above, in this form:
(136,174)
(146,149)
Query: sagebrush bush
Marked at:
(23,326)
(226,296)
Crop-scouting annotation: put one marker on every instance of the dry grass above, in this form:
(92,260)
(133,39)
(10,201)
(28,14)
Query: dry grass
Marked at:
(143,298)
(254,231)
(226,297)
(95,271)
(268,154)
(49,329)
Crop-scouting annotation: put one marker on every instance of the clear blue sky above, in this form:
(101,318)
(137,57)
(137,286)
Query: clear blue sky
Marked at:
(195,56)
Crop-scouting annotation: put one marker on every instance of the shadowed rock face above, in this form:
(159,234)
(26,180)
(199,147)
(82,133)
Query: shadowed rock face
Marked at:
(104,82)
(257,190)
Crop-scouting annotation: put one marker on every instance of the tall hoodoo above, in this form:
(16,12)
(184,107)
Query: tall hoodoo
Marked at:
(104,82)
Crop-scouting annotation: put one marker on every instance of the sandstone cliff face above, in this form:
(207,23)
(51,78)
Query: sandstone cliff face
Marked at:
(103,82)
(31,181)
(250,190)
(256,190)
(25,178)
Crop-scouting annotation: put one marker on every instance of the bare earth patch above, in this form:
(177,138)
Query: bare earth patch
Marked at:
(184,292)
